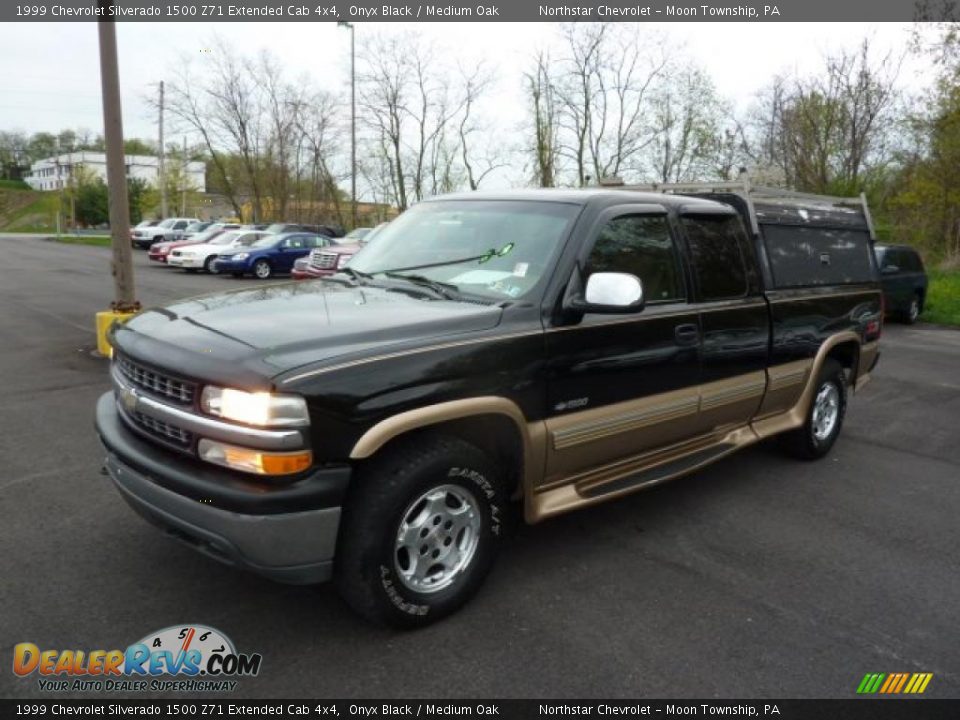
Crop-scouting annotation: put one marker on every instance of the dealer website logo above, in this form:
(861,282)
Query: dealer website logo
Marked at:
(201,656)
(894,683)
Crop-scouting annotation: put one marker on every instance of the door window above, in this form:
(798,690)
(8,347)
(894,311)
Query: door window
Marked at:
(640,245)
(718,261)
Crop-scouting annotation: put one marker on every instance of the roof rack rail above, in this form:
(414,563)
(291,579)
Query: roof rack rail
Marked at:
(747,189)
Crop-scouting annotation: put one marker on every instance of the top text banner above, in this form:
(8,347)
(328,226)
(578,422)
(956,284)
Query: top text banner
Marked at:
(486,11)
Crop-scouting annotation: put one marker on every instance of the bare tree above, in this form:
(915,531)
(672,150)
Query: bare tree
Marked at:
(544,118)
(605,89)
(824,131)
(686,135)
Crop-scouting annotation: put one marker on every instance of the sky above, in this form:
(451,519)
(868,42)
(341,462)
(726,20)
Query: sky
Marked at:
(50,79)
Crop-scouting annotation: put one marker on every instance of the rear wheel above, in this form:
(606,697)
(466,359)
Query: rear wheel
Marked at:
(262,269)
(420,531)
(913,310)
(824,417)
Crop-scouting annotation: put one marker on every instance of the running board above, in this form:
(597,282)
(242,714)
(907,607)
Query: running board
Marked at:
(660,473)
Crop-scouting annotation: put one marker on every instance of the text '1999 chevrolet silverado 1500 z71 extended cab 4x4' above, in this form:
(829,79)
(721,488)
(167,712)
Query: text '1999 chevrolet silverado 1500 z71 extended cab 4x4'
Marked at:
(547,349)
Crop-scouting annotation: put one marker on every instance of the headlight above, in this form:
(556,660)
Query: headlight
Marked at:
(342,261)
(238,256)
(260,408)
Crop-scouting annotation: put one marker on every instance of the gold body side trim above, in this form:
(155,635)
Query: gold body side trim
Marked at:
(786,403)
(591,438)
(785,383)
(795,415)
(868,352)
(731,402)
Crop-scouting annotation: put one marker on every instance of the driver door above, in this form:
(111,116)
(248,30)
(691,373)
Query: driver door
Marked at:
(620,386)
(291,249)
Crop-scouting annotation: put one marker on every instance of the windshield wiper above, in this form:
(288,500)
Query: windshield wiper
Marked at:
(449,291)
(488,255)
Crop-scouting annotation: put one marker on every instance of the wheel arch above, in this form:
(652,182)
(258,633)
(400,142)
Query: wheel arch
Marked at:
(836,347)
(495,424)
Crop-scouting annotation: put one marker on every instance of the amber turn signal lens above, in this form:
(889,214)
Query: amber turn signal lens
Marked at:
(254,461)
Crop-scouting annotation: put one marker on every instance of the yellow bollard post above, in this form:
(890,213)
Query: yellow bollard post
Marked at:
(105,321)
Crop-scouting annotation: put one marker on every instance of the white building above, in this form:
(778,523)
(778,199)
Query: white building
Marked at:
(56,172)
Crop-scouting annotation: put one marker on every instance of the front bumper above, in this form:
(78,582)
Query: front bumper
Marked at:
(220,265)
(285,532)
(183,261)
(311,272)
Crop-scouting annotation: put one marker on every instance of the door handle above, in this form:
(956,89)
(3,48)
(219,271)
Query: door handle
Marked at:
(687,334)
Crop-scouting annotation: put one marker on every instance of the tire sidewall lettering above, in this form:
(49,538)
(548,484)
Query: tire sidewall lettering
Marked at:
(402,604)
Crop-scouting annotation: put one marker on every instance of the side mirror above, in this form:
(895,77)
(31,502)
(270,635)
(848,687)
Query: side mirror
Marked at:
(611,293)
(889,269)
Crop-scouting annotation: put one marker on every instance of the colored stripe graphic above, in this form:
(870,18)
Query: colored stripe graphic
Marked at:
(894,683)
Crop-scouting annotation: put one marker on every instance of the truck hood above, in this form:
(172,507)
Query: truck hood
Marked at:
(249,336)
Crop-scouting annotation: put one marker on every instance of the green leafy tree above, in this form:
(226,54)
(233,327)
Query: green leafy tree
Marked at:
(90,203)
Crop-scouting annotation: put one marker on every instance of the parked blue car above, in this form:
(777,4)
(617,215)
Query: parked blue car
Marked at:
(268,256)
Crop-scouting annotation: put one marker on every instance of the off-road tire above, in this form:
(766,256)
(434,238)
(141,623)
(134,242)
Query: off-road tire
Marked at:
(366,569)
(804,442)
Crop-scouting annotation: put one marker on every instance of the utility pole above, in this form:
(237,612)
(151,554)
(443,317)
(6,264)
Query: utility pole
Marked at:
(353,121)
(124,299)
(161,169)
(56,160)
(183,180)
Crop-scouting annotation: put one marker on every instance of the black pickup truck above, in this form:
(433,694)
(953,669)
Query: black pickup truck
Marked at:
(538,351)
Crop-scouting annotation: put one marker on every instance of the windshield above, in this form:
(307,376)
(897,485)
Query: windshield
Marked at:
(225,239)
(496,248)
(275,228)
(357,234)
(194,227)
(266,241)
(167,223)
(248,239)
(206,236)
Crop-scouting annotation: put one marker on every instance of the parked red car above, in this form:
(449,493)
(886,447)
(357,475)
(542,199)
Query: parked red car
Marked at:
(159,251)
(323,262)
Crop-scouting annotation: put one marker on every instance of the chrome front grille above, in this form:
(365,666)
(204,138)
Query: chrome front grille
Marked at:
(155,383)
(163,430)
(323,260)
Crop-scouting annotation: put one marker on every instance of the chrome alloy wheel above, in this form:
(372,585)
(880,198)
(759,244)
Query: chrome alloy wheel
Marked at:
(826,411)
(437,538)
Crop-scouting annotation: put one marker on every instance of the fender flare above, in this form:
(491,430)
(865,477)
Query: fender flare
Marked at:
(532,435)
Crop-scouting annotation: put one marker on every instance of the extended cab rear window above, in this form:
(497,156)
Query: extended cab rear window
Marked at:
(716,247)
(810,256)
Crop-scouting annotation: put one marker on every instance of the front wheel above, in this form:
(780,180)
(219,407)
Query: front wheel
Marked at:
(262,269)
(420,531)
(824,417)
(208,265)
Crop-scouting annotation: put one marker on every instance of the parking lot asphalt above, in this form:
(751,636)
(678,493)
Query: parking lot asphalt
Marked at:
(760,576)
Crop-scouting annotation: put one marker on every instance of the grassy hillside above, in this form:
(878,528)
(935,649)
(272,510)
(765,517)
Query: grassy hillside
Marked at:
(27,210)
